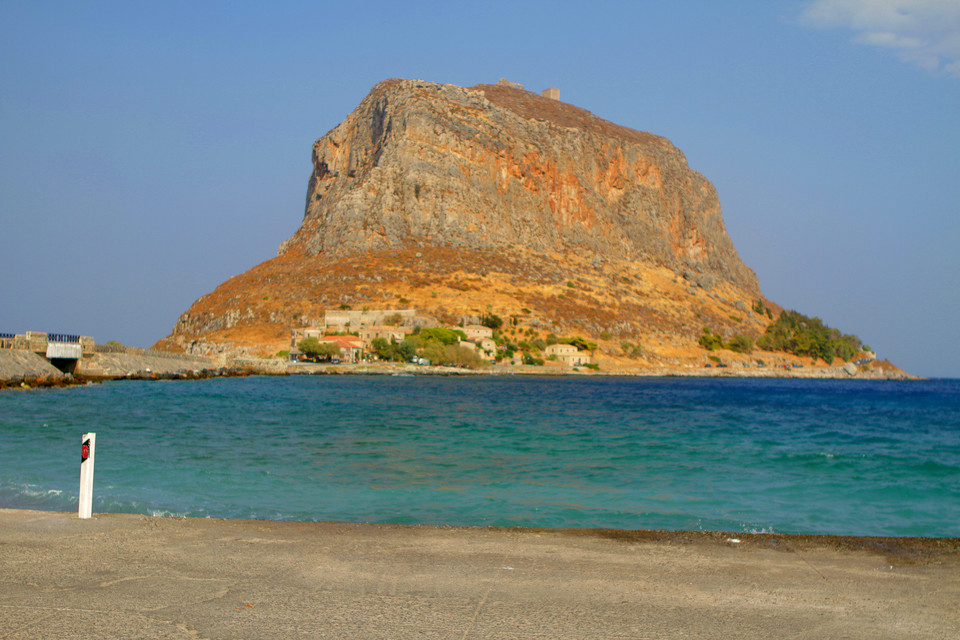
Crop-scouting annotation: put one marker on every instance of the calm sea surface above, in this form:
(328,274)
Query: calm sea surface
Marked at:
(783,456)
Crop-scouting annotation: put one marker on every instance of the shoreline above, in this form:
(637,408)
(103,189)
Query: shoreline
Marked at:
(20,369)
(156,577)
(898,545)
(30,380)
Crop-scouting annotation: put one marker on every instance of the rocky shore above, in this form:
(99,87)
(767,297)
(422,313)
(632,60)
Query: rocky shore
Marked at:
(24,369)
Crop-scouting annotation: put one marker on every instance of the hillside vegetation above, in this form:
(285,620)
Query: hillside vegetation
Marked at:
(795,333)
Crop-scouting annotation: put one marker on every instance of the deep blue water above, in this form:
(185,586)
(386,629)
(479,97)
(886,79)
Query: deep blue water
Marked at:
(784,456)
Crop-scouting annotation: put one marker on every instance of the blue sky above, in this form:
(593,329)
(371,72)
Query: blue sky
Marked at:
(150,151)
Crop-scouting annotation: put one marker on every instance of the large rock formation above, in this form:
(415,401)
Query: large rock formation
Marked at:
(493,199)
(494,167)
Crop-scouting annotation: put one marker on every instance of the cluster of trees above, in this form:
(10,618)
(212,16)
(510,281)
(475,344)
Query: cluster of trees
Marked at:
(795,333)
(392,350)
(313,348)
(801,335)
(453,355)
(439,345)
(711,341)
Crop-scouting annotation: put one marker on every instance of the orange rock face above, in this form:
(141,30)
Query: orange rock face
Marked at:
(495,167)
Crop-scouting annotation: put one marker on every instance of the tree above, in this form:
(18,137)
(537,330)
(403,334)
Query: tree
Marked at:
(379,346)
(313,348)
(580,343)
(393,350)
(329,350)
(492,321)
(442,335)
(452,355)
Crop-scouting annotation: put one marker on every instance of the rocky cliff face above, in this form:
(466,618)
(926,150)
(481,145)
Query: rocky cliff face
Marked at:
(495,167)
(459,202)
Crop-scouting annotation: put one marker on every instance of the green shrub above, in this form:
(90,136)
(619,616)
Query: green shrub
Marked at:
(631,350)
(740,344)
(710,341)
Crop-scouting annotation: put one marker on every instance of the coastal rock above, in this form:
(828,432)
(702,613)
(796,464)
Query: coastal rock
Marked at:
(495,167)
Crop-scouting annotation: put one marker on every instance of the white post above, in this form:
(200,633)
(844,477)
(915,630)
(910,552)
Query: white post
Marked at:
(88,443)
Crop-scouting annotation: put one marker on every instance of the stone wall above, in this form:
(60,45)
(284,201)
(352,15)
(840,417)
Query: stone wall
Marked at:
(118,365)
(19,364)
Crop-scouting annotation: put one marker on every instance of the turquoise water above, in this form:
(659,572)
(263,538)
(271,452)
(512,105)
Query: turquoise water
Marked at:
(783,456)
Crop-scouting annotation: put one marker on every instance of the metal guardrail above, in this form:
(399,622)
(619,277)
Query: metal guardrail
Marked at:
(7,336)
(62,337)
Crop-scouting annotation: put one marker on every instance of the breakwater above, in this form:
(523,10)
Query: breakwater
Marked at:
(20,367)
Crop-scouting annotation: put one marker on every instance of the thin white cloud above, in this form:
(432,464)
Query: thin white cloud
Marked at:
(923,32)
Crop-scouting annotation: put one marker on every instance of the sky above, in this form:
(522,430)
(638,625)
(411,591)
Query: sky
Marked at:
(150,151)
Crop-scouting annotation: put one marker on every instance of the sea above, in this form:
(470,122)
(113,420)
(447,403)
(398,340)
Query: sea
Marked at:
(843,457)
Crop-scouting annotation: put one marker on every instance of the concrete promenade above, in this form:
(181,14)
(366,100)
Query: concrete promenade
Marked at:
(128,576)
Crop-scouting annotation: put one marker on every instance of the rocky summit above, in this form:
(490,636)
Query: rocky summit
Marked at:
(496,167)
(494,200)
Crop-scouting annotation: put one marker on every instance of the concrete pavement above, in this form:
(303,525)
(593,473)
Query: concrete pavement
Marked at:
(126,576)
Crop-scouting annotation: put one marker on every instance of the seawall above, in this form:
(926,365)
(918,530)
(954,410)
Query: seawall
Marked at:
(23,366)
(17,365)
(121,365)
